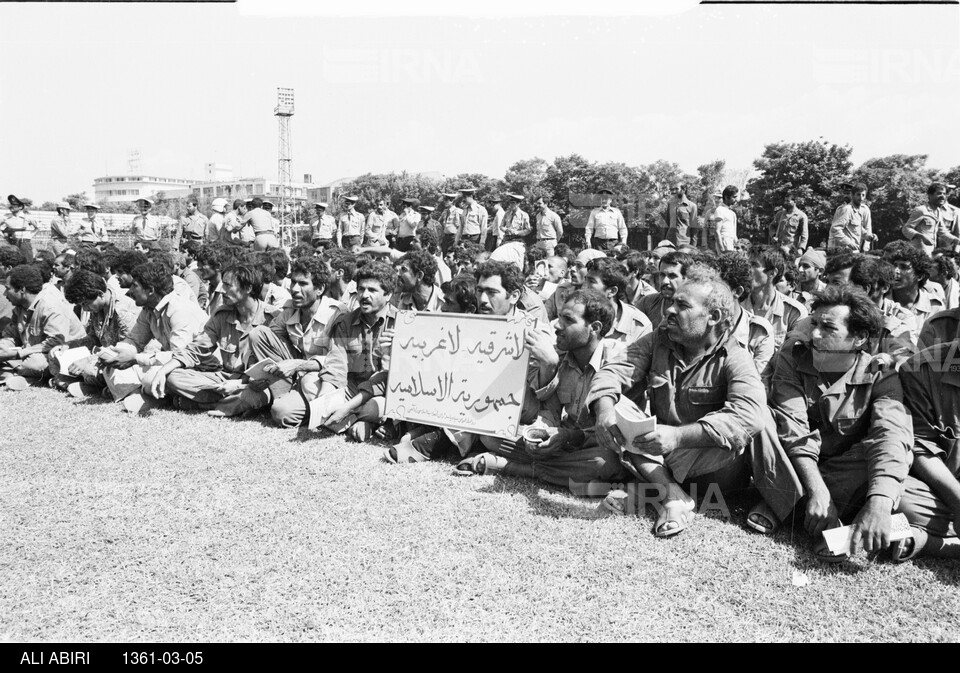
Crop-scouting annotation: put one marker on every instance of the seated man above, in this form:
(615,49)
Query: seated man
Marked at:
(608,276)
(713,427)
(899,334)
(931,498)
(416,280)
(571,456)
(912,287)
(842,422)
(297,340)
(212,367)
(40,322)
(637,287)
(671,270)
(166,319)
(765,300)
(357,341)
(112,317)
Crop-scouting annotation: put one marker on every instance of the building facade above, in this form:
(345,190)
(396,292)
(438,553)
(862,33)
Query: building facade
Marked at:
(126,188)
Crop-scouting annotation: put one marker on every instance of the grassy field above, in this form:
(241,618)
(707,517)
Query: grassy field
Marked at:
(179,527)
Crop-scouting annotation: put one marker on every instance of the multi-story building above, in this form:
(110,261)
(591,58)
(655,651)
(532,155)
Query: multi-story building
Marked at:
(245,188)
(123,188)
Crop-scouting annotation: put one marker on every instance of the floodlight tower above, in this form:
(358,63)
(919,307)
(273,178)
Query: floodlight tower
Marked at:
(283,112)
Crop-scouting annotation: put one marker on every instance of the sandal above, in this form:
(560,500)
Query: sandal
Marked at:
(766,522)
(14,383)
(482,464)
(823,553)
(908,548)
(361,431)
(614,502)
(403,453)
(669,512)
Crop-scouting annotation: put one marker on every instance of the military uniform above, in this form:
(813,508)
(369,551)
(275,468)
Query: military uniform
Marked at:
(850,228)
(632,324)
(323,231)
(790,229)
(607,227)
(681,220)
(515,225)
(451,219)
(927,227)
(783,313)
(473,223)
(351,224)
(146,228)
(194,227)
(19,230)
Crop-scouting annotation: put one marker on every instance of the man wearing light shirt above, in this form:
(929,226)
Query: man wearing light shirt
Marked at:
(681,218)
(852,227)
(407,224)
(605,226)
(936,220)
(351,223)
(488,239)
(451,219)
(724,221)
(474,220)
(380,220)
(145,226)
(549,227)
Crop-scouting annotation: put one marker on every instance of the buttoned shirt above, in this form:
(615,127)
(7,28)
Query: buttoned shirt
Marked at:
(260,221)
(680,216)
(790,229)
(549,227)
(563,398)
(806,297)
(174,323)
(939,328)
(146,228)
(931,391)
(926,225)
(515,222)
(496,220)
(407,223)
(215,228)
(18,227)
(724,222)
(899,324)
(451,220)
(632,324)
(559,297)
(654,306)
(404,301)
(61,228)
(927,303)
(323,228)
(850,226)
(224,343)
(111,324)
(276,296)
(643,289)
(473,220)
(606,223)
(92,231)
(235,229)
(783,313)
(861,411)
(310,341)
(377,226)
(351,223)
(46,323)
(755,334)
(354,353)
(194,227)
(721,391)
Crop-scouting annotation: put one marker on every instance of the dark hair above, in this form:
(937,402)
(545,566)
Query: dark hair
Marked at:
(611,273)
(313,267)
(193,199)
(636,263)
(897,251)
(935,187)
(248,277)
(511,278)
(381,272)
(191,247)
(859,187)
(342,260)
(771,259)
(422,262)
(256,202)
(45,269)
(864,318)
(47,256)
(596,307)
(213,256)
(839,261)
(83,286)
(164,258)
(91,259)
(237,203)
(128,260)
(464,288)
(10,257)
(428,239)
(26,277)
(729,190)
(868,271)
(946,268)
(154,277)
(684,259)
(263,262)
(302,250)
(281,263)
(735,269)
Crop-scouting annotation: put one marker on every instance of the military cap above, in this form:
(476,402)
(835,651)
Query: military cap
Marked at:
(144,200)
(320,204)
(63,205)
(14,201)
(605,190)
(411,201)
(351,199)
(467,190)
(448,195)
(427,209)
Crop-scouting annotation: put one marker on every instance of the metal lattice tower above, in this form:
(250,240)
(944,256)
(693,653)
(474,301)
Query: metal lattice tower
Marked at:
(283,112)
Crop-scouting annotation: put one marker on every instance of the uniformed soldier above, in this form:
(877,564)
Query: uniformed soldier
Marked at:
(323,230)
(269,206)
(61,228)
(515,225)
(351,223)
(852,226)
(549,227)
(789,229)
(489,238)
(605,224)
(92,229)
(380,221)
(193,225)
(428,221)
(146,227)
(407,224)
(19,228)
(451,219)
(473,224)
(680,218)
(937,223)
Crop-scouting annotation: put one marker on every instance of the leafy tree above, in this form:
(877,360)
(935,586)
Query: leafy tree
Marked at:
(484,184)
(524,177)
(76,201)
(48,205)
(896,184)
(393,187)
(710,181)
(812,170)
(952,177)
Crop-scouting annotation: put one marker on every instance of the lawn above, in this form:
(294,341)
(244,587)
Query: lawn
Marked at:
(179,527)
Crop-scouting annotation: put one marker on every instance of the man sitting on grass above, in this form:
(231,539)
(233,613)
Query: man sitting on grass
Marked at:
(165,318)
(40,322)
(671,271)
(212,367)
(842,421)
(713,426)
(609,276)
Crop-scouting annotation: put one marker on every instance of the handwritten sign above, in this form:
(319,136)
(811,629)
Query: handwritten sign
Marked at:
(465,372)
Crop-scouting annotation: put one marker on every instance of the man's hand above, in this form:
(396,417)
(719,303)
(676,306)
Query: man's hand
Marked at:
(385,341)
(658,442)
(551,446)
(821,513)
(608,434)
(158,387)
(337,415)
(284,369)
(121,359)
(872,525)
(541,347)
(8,354)
(259,385)
(230,386)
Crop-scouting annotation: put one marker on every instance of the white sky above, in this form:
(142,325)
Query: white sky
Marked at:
(84,83)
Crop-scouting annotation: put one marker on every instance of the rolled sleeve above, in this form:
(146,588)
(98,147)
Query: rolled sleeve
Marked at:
(741,417)
(788,402)
(624,372)
(889,438)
